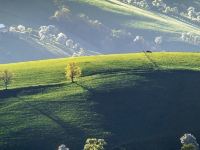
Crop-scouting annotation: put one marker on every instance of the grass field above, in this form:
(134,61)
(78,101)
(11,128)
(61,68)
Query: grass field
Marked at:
(131,100)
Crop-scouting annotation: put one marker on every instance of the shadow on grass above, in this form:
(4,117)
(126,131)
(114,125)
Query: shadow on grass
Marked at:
(153,62)
(65,126)
(151,115)
(28,90)
(119,70)
(35,138)
(68,132)
(154,113)
(90,90)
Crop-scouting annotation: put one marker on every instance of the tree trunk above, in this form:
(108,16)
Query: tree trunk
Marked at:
(72,79)
(6,86)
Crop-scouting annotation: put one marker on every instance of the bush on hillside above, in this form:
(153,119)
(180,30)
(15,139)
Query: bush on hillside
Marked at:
(95,144)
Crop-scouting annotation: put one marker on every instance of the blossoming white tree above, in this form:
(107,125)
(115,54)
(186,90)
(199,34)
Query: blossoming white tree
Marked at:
(188,140)
(63,147)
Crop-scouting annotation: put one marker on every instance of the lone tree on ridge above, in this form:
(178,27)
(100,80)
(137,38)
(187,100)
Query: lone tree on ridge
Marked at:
(6,77)
(72,71)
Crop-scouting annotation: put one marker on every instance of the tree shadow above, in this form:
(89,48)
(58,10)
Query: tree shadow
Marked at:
(67,131)
(90,90)
(153,62)
(38,139)
(62,124)
(165,105)
(28,90)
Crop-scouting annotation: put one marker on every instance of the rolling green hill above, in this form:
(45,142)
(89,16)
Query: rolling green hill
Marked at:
(135,101)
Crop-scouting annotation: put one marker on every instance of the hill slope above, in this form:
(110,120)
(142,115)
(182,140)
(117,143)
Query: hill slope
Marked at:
(143,16)
(135,101)
(106,26)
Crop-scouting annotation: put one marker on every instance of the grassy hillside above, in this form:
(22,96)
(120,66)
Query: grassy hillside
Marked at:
(142,19)
(135,101)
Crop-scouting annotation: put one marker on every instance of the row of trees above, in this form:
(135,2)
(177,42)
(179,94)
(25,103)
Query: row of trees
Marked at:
(188,142)
(191,14)
(47,34)
(90,144)
(190,38)
(72,71)
(161,6)
(158,5)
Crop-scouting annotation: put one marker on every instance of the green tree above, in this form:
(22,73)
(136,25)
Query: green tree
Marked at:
(188,147)
(6,77)
(95,144)
(72,71)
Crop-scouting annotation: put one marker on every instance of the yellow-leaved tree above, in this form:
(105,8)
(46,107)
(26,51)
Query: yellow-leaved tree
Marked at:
(72,71)
(95,144)
(6,77)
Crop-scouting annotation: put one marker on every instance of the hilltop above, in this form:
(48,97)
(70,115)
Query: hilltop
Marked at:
(134,101)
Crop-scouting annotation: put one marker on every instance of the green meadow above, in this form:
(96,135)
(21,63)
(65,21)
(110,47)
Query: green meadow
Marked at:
(134,101)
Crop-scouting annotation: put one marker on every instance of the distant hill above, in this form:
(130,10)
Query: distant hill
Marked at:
(98,27)
(134,101)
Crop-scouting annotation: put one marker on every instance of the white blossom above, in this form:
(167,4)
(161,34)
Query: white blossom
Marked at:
(139,39)
(158,40)
(21,28)
(61,38)
(63,147)
(189,139)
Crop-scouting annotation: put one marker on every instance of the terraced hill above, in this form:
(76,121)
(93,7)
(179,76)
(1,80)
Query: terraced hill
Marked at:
(134,101)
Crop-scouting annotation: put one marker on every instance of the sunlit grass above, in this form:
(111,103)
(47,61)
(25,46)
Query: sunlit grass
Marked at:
(70,113)
(52,71)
